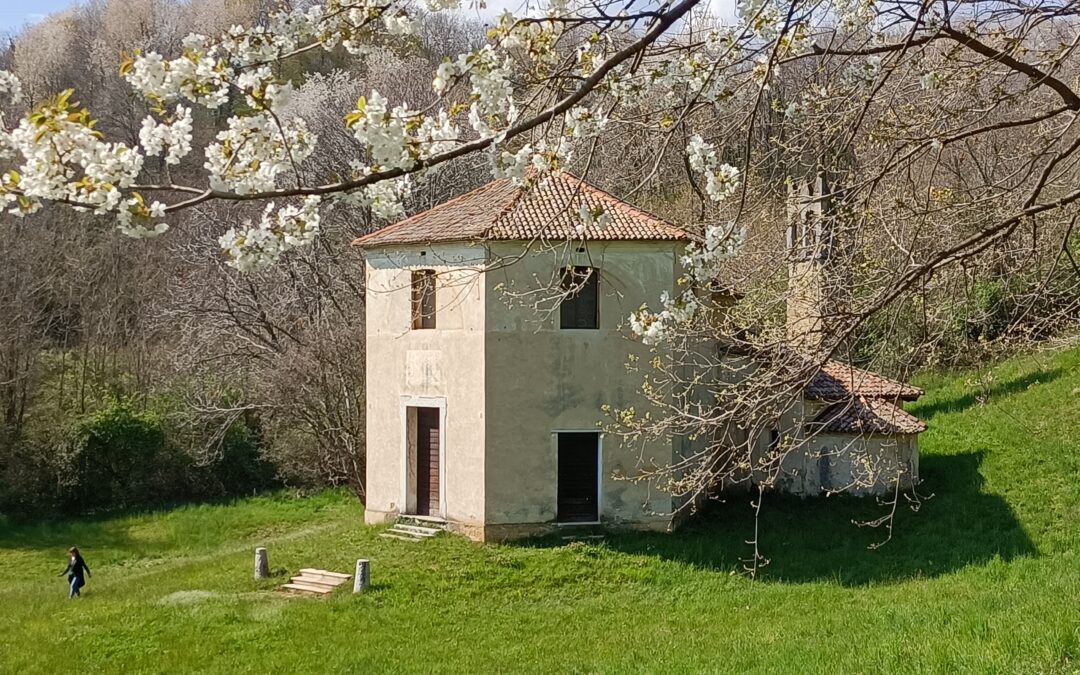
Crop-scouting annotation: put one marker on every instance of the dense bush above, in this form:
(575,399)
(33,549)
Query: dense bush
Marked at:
(120,458)
(241,468)
(124,455)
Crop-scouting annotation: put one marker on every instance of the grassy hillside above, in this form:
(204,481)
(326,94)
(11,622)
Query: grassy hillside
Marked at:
(984,578)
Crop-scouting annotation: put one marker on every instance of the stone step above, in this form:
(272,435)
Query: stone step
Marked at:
(320,577)
(416,529)
(315,581)
(389,535)
(422,521)
(325,573)
(407,533)
(308,588)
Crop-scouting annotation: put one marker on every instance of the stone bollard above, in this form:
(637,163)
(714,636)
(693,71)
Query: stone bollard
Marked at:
(362,579)
(262,564)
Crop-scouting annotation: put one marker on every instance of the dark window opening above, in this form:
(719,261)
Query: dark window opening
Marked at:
(774,439)
(423,299)
(581,304)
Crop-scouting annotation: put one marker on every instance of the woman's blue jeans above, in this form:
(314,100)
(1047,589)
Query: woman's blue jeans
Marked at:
(76,584)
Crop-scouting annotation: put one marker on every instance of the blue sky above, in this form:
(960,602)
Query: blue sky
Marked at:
(15,13)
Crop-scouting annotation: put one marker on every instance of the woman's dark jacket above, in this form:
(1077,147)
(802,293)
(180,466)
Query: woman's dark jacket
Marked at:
(75,569)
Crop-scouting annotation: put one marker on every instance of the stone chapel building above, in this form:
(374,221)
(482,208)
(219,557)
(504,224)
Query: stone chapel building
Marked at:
(483,413)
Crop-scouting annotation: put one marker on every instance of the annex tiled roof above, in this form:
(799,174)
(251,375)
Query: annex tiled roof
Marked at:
(865,415)
(549,209)
(838,381)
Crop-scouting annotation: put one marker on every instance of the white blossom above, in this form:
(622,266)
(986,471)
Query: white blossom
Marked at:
(400,24)
(702,263)
(10,86)
(657,327)
(396,138)
(866,70)
(260,245)
(721,180)
(589,216)
(932,80)
(277,96)
(197,76)
(556,8)
(584,123)
(384,131)
(385,198)
(763,70)
(694,73)
(492,108)
(436,135)
(64,159)
(61,157)
(722,242)
(446,71)
(762,17)
(547,158)
(173,138)
(512,165)
(855,14)
(133,218)
(250,155)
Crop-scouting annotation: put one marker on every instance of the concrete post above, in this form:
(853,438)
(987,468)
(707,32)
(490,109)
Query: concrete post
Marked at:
(362,578)
(262,564)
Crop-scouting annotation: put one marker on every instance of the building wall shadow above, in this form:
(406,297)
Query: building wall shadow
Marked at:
(809,540)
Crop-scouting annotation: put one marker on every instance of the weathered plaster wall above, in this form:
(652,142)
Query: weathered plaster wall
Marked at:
(854,463)
(441,364)
(806,303)
(860,465)
(541,379)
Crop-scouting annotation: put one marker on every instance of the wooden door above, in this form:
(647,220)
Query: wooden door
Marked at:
(427,461)
(579,473)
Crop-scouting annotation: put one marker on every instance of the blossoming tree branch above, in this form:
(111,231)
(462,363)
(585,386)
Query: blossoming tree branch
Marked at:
(554,77)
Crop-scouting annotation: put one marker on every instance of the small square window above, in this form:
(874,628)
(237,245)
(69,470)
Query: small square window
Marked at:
(581,305)
(423,299)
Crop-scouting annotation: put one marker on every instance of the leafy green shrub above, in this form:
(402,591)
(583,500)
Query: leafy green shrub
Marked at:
(241,468)
(120,458)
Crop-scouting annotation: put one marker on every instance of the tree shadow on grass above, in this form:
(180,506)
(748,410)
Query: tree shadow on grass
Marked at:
(956,404)
(815,539)
(108,530)
(86,533)
(104,529)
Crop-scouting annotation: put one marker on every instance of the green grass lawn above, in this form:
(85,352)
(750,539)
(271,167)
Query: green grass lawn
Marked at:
(984,578)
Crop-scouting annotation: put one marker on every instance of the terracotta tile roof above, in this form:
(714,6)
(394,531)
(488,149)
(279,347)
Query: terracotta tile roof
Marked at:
(864,415)
(501,210)
(838,381)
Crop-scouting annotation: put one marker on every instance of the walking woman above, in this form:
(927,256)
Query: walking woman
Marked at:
(75,570)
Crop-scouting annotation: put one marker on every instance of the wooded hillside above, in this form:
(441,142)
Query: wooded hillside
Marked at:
(954,149)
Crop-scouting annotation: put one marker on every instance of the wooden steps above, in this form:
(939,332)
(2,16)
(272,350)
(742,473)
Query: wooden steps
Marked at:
(316,582)
(308,588)
(331,577)
(410,528)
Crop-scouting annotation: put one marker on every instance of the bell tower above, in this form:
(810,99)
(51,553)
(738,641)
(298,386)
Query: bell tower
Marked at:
(814,285)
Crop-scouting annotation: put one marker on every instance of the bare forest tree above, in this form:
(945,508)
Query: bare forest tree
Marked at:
(940,136)
(88,317)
